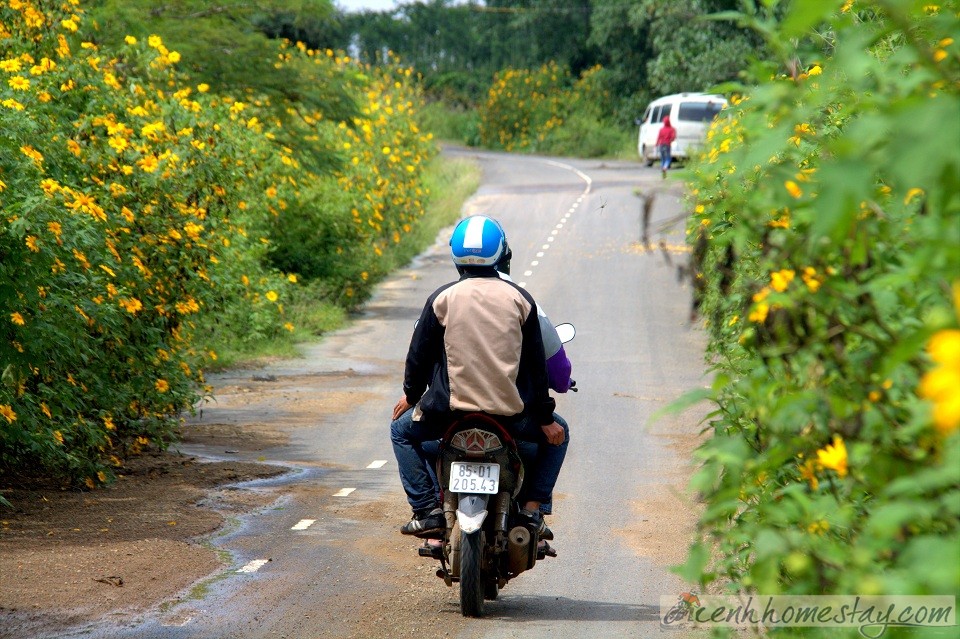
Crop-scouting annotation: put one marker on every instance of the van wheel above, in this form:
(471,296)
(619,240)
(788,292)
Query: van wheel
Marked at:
(643,155)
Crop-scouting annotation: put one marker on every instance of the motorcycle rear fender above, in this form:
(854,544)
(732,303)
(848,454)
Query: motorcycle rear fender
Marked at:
(471,512)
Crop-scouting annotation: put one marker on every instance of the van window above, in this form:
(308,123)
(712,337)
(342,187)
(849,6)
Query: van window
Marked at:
(646,114)
(660,112)
(699,111)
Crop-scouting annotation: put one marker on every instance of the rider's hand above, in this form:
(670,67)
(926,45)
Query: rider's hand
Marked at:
(402,406)
(554,433)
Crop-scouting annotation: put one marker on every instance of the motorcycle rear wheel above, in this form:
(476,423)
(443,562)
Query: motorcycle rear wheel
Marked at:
(471,574)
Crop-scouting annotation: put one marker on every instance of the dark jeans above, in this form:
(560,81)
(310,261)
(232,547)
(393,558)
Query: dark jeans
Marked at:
(410,439)
(665,157)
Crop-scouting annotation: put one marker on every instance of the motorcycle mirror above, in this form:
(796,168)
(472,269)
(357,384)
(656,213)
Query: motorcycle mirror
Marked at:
(566,332)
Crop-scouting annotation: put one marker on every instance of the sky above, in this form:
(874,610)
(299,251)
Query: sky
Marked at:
(375,5)
(360,5)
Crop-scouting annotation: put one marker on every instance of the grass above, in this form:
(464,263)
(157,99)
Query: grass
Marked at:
(307,310)
(455,125)
(450,183)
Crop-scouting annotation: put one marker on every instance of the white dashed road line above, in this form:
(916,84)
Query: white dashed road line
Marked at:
(343,492)
(378,464)
(254,565)
(303,524)
(586,191)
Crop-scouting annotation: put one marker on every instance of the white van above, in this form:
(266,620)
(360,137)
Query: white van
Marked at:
(690,114)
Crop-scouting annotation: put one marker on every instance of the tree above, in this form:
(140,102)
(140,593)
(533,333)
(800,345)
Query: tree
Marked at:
(458,47)
(623,34)
(656,47)
(528,33)
(690,52)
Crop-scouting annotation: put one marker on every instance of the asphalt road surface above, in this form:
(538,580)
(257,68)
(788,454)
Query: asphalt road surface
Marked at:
(326,559)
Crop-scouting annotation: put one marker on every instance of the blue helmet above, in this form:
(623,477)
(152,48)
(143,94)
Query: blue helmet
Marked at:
(478,241)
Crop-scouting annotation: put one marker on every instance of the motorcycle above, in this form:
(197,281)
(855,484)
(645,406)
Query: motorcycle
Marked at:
(480,469)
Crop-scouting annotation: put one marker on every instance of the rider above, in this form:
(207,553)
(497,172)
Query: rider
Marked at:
(476,347)
(558,369)
(558,365)
(558,379)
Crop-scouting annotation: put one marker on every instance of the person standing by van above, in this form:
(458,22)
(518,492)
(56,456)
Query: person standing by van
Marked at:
(664,140)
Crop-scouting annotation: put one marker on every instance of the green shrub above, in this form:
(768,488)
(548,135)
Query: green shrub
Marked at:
(586,137)
(122,224)
(140,217)
(828,217)
(451,123)
(524,106)
(546,111)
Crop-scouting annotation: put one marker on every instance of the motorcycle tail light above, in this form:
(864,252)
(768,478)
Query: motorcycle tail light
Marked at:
(475,441)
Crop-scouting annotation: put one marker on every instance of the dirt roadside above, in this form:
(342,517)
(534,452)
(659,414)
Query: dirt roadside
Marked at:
(69,557)
(142,546)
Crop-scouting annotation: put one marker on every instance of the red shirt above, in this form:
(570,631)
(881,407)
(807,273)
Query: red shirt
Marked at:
(667,133)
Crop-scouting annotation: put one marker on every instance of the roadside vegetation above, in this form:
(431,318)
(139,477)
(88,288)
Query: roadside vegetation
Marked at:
(827,225)
(185,187)
(151,216)
(557,77)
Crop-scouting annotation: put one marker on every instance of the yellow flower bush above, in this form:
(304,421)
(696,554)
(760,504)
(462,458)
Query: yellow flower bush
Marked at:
(546,110)
(839,243)
(344,225)
(115,233)
(523,106)
(143,213)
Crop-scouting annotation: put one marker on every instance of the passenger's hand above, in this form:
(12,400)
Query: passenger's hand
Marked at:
(402,406)
(554,433)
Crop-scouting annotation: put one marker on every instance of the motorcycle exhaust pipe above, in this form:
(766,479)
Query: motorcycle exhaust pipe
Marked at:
(518,550)
(502,510)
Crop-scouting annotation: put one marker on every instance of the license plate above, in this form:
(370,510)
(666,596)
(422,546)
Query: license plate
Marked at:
(469,477)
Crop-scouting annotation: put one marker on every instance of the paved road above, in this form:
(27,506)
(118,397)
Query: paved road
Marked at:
(574,226)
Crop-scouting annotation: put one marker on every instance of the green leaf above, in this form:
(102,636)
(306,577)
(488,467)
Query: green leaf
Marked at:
(935,561)
(844,184)
(769,544)
(724,16)
(804,14)
(682,403)
(887,520)
(907,346)
(9,375)
(692,569)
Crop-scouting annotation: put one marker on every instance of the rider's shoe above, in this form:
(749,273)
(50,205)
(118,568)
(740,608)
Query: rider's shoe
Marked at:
(534,520)
(425,523)
(546,533)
